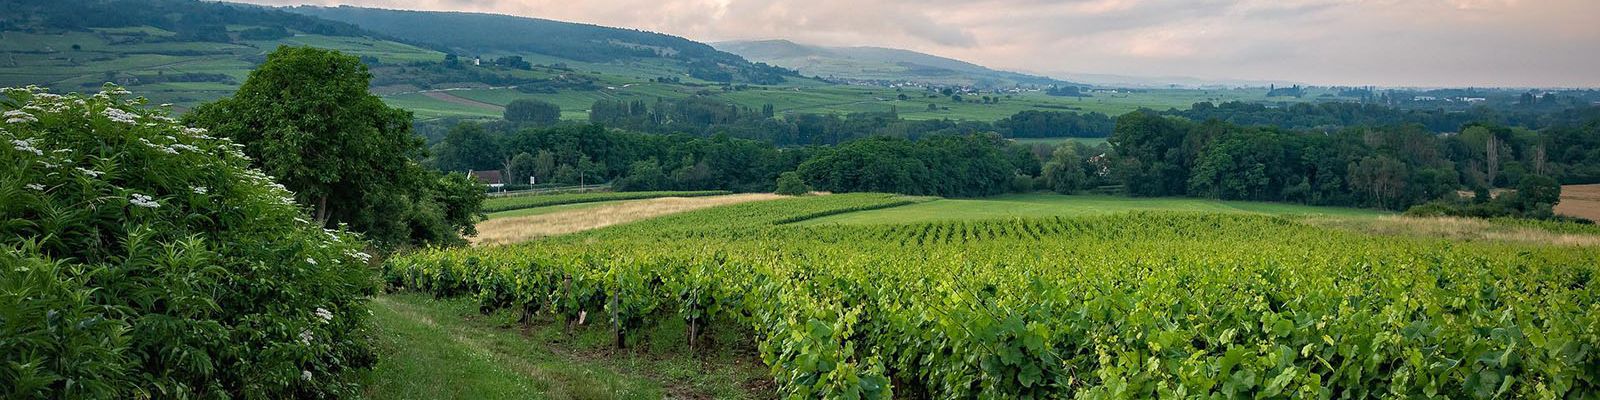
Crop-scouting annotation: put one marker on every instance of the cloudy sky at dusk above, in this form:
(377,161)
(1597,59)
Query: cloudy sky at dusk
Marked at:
(1355,42)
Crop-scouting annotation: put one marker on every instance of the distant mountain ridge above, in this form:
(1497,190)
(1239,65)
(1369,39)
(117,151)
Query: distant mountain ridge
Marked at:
(879,63)
(478,33)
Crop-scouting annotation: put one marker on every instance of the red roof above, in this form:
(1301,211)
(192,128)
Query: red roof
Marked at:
(487,177)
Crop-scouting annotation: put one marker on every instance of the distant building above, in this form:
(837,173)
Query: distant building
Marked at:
(477,61)
(494,179)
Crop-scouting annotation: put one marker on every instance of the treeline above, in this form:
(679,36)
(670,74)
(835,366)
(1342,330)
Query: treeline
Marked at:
(1335,115)
(574,154)
(1394,166)
(946,165)
(706,116)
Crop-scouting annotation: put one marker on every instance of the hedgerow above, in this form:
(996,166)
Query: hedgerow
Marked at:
(143,259)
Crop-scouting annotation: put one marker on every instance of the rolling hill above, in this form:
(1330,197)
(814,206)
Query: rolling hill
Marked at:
(496,35)
(186,52)
(879,64)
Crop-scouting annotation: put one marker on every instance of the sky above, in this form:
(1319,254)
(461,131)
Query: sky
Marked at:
(1420,43)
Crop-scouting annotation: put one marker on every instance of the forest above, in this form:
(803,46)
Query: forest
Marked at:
(1358,155)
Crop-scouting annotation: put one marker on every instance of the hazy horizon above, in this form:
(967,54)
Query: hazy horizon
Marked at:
(1393,43)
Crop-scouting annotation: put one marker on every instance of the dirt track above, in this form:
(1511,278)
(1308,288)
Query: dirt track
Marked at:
(520,229)
(1581,201)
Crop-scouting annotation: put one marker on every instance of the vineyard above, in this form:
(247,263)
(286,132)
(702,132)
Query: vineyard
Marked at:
(1133,305)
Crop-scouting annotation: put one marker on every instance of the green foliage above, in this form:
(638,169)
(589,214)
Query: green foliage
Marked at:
(466,147)
(306,117)
(522,167)
(1064,173)
(1534,198)
(545,200)
(790,184)
(971,165)
(533,112)
(143,259)
(645,175)
(1042,124)
(1122,306)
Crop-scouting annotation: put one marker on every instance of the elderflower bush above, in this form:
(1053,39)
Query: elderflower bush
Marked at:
(143,259)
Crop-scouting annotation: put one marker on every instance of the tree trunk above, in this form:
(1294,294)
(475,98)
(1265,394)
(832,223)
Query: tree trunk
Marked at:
(322,210)
(1493,159)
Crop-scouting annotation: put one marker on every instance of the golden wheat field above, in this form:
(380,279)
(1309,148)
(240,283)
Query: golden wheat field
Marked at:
(1581,201)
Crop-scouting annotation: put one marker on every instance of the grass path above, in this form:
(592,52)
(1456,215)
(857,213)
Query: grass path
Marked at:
(443,349)
(427,352)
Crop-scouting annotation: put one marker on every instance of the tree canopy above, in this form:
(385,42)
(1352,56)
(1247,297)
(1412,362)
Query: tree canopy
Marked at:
(305,117)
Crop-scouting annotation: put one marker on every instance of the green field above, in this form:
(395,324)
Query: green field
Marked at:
(121,56)
(1196,298)
(1051,205)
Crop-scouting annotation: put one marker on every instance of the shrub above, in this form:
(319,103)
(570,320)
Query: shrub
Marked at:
(140,258)
(790,184)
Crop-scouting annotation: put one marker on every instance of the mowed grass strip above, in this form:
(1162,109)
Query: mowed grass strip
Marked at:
(427,350)
(1052,205)
(498,204)
(524,228)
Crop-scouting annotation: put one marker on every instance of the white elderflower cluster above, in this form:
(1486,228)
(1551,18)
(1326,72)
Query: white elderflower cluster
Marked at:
(114,91)
(311,261)
(325,315)
(199,189)
(19,117)
(26,146)
(306,337)
(91,173)
(35,186)
(363,256)
(143,201)
(119,115)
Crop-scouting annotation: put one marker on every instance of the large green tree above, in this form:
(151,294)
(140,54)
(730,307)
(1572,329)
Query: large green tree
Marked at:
(306,118)
(467,147)
(1064,172)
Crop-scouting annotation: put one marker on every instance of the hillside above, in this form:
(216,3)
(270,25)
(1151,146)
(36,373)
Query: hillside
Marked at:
(461,65)
(498,35)
(172,51)
(879,64)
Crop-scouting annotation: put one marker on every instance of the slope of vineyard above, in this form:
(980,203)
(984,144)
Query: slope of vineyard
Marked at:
(1133,305)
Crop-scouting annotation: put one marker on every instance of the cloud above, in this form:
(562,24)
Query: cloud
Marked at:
(1380,42)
